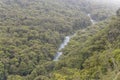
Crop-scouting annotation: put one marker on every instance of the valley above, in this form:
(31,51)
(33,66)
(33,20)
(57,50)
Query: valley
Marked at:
(59,40)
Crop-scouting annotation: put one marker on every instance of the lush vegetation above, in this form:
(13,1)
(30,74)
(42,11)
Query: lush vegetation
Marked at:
(98,58)
(32,30)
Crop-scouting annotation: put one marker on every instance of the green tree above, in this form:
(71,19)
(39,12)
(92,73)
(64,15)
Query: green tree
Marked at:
(2,71)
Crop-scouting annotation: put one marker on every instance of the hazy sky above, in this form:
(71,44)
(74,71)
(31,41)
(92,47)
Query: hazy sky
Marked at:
(114,1)
(117,2)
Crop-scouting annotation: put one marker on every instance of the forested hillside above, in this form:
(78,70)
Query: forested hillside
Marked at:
(98,58)
(32,30)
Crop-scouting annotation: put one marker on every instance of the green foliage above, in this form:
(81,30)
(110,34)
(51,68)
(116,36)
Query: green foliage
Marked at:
(96,58)
(66,74)
(2,71)
(32,30)
(116,54)
(15,77)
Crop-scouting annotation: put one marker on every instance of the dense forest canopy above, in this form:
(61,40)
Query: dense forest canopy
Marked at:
(32,30)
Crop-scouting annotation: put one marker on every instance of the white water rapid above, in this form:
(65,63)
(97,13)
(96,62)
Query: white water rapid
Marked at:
(66,41)
(62,46)
(93,21)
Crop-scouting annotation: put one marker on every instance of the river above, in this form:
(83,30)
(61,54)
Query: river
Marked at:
(65,42)
(62,46)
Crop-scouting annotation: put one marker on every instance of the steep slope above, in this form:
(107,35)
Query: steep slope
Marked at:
(94,53)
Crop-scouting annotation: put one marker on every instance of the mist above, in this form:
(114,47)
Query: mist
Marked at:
(109,1)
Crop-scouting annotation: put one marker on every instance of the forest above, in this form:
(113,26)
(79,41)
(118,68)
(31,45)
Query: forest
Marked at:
(31,32)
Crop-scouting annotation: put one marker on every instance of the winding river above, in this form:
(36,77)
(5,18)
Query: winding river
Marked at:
(65,42)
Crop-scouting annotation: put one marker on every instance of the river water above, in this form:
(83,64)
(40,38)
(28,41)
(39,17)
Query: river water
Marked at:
(66,41)
(93,21)
(62,46)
